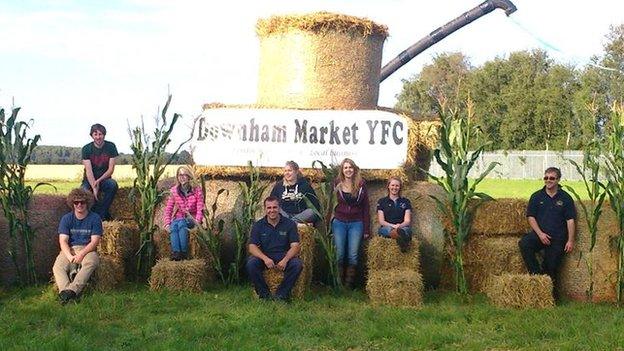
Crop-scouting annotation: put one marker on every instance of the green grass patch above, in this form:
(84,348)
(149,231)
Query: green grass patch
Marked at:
(231,319)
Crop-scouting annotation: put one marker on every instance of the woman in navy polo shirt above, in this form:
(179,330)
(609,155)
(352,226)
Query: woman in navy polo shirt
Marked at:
(394,213)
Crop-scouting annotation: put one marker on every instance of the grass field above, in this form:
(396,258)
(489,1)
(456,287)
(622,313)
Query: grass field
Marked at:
(230,319)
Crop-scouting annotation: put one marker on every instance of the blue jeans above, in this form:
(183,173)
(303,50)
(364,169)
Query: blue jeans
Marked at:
(385,230)
(178,233)
(106,194)
(347,237)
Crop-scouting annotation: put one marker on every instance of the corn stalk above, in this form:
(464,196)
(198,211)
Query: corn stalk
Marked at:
(458,135)
(210,235)
(252,191)
(149,162)
(614,172)
(16,150)
(327,201)
(589,170)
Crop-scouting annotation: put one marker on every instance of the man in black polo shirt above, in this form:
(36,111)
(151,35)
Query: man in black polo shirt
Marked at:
(274,244)
(551,214)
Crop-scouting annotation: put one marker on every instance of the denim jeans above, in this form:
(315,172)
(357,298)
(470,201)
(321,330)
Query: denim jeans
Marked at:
(385,230)
(178,233)
(347,237)
(305,216)
(106,194)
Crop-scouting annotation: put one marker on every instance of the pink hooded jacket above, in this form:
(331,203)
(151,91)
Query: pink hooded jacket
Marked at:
(178,206)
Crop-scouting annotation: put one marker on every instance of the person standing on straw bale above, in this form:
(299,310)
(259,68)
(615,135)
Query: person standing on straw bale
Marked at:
(184,209)
(98,159)
(80,232)
(551,215)
(394,213)
(274,244)
(292,191)
(351,220)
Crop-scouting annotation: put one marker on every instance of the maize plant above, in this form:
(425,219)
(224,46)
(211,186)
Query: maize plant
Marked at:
(614,172)
(455,155)
(589,170)
(16,150)
(327,201)
(210,234)
(149,162)
(251,191)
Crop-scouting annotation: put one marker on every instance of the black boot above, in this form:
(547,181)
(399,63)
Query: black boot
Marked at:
(175,256)
(403,240)
(350,273)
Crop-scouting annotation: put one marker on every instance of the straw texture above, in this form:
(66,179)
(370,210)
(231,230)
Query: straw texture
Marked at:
(401,288)
(189,275)
(520,291)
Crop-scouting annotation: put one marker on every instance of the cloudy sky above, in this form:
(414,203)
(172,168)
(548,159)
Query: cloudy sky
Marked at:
(69,64)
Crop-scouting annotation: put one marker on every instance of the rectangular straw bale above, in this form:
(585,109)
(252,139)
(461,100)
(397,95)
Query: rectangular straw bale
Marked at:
(122,206)
(274,277)
(403,288)
(520,291)
(384,254)
(188,275)
(499,217)
(108,274)
(120,239)
(574,278)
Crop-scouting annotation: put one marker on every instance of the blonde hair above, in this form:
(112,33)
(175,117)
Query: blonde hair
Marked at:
(295,167)
(356,180)
(398,180)
(188,170)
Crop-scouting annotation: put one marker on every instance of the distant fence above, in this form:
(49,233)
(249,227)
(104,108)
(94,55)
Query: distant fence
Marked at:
(525,164)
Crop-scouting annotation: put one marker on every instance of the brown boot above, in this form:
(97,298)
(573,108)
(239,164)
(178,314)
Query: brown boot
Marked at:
(350,276)
(341,274)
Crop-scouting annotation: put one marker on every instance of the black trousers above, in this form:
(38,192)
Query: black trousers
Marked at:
(530,244)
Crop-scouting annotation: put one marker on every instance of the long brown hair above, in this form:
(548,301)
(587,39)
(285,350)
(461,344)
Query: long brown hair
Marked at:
(356,180)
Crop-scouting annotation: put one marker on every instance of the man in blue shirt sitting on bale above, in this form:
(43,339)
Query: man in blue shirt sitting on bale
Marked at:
(274,244)
(551,214)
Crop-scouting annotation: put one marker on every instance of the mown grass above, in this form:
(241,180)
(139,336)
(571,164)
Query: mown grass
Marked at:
(230,319)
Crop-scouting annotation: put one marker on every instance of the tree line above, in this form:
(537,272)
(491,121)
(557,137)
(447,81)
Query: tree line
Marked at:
(525,100)
(66,155)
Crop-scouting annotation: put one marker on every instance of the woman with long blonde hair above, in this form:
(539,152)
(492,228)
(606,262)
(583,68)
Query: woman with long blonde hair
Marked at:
(351,220)
(184,208)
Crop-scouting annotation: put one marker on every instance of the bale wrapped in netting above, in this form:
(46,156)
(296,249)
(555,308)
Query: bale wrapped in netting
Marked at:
(319,61)
(395,287)
(520,291)
(497,218)
(108,275)
(188,275)
(121,241)
(384,254)
(122,206)
(45,212)
(483,257)
(274,277)
(574,279)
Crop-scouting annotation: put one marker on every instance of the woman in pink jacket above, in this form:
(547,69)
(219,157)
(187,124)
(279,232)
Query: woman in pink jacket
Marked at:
(184,208)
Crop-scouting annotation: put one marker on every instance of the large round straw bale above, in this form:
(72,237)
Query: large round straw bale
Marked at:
(574,276)
(319,60)
(44,213)
(520,291)
(189,275)
(402,288)
(122,206)
(384,254)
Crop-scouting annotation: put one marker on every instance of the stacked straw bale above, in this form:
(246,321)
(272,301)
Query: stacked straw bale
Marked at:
(520,291)
(188,275)
(122,206)
(393,276)
(319,60)
(492,249)
(107,276)
(120,241)
(402,288)
(274,277)
(45,212)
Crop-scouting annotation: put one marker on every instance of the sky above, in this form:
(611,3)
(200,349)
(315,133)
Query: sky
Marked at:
(69,64)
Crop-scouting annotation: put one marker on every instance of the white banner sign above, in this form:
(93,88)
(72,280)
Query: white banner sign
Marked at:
(270,137)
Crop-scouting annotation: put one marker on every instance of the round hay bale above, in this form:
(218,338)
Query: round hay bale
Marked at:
(574,278)
(384,254)
(520,291)
(189,275)
(319,60)
(403,288)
